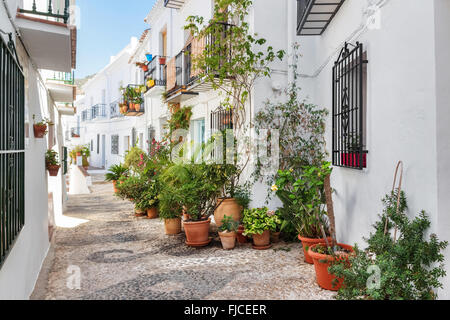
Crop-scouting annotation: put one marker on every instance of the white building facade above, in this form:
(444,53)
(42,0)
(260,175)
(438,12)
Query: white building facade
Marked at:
(35,81)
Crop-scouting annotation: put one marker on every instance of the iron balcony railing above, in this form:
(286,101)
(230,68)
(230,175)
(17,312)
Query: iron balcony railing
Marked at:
(114,110)
(156,72)
(86,115)
(64,77)
(98,111)
(58,15)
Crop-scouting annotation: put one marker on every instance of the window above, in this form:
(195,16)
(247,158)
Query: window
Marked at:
(114,144)
(12,154)
(221,119)
(349,108)
(98,144)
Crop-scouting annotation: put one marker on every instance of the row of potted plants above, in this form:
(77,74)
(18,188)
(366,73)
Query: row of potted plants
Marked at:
(132,99)
(82,151)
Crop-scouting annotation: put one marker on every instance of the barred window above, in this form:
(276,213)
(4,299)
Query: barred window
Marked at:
(115,144)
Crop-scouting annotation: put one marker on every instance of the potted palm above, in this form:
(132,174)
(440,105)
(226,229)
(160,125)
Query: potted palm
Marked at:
(258,223)
(40,127)
(52,162)
(227,232)
(114,173)
(304,204)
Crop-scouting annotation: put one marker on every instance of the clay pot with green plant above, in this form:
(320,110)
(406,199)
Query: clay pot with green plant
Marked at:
(227,232)
(275,234)
(233,205)
(304,204)
(40,127)
(115,172)
(258,224)
(132,188)
(52,162)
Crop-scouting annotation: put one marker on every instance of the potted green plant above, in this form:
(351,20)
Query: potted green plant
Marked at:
(227,232)
(275,234)
(115,172)
(85,153)
(132,189)
(40,127)
(304,204)
(170,212)
(149,200)
(52,162)
(258,223)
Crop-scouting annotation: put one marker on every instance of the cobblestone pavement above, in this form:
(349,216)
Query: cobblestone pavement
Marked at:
(123,257)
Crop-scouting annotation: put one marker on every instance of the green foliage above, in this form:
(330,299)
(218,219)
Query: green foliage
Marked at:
(135,159)
(256,221)
(410,266)
(131,188)
(194,187)
(149,197)
(133,94)
(303,199)
(228,224)
(43,122)
(180,119)
(242,195)
(115,172)
(51,158)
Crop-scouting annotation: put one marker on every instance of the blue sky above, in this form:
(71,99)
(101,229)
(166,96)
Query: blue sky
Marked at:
(106,27)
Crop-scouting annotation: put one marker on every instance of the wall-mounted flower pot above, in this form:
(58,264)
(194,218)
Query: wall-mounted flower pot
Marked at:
(150,83)
(307,243)
(145,68)
(321,264)
(352,160)
(228,207)
(152,213)
(39,131)
(172,226)
(149,57)
(197,233)
(53,169)
(162,61)
(228,240)
(261,241)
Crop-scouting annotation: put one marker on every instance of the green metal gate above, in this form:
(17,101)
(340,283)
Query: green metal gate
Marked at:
(12,153)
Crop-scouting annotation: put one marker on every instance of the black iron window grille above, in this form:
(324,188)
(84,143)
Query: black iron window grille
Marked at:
(349,103)
(221,119)
(114,144)
(12,149)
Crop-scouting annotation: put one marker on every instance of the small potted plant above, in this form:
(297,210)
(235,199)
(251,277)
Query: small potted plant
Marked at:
(227,232)
(131,188)
(149,200)
(258,223)
(52,162)
(114,173)
(275,234)
(162,61)
(170,212)
(40,128)
(142,65)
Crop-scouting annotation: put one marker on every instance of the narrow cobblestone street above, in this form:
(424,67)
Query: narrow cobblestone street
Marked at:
(124,257)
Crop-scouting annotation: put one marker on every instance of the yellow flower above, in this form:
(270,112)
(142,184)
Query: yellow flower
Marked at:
(274,188)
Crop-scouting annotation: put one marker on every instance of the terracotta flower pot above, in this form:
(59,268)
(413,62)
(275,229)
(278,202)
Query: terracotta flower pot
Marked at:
(275,237)
(240,237)
(162,61)
(308,242)
(262,240)
(227,207)
(78,154)
(39,131)
(321,264)
(172,226)
(137,107)
(152,213)
(197,233)
(114,182)
(131,107)
(228,240)
(139,212)
(53,169)
(145,68)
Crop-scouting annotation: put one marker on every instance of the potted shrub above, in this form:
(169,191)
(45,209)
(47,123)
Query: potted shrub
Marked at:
(85,153)
(132,189)
(275,234)
(258,223)
(149,200)
(40,128)
(304,204)
(52,162)
(170,212)
(227,232)
(114,173)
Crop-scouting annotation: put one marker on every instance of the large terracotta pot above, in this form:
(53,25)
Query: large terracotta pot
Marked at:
(53,170)
(321,264)
(308,242)
(39,131)
(227,207)
(228,240)
(152,213)
(261,240)
(172,226)
(197,233)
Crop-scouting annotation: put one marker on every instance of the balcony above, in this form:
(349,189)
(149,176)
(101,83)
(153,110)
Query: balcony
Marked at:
(174,4)
(61,87)
(114,110)
(155,77)
(86,115)
(183,80)
(314,16)
(47,34)
(132,103)
(98,111)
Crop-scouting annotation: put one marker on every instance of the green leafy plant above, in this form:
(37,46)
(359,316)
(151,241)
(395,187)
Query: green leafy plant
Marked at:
(135,159)
(228,224)
(43,122)
(51,158)
(131,187)
(304,204)
(149,197)
(242,194)
(115,172)
(409,265)
(256,221)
